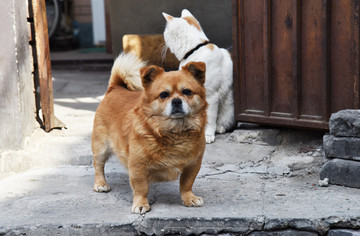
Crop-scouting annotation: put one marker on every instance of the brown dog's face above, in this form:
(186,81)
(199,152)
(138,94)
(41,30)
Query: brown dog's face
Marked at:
(174,95)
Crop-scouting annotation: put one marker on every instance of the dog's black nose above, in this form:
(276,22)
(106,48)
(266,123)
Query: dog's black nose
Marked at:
(176,102)
(177,110)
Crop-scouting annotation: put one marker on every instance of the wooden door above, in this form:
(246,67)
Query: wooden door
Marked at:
(295,61)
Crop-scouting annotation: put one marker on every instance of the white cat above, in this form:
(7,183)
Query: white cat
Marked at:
(186,39)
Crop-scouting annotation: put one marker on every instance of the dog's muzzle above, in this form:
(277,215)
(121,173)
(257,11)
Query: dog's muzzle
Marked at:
(177,110)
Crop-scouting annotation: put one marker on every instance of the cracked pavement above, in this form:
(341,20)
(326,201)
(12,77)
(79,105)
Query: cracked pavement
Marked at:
(253,179)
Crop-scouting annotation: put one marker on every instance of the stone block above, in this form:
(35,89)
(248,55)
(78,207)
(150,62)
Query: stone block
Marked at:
(342,172)
(345,123)
(289,232)
(150,48)
(343,232)
(342,147)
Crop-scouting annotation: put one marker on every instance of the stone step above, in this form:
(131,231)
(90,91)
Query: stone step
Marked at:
(342,172)
(343,232)
(60,201)
(342,147)
(345,123)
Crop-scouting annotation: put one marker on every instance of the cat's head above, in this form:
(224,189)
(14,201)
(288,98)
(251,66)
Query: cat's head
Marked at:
(183,33)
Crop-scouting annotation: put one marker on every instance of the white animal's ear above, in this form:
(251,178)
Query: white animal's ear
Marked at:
(185,13)
(167,16)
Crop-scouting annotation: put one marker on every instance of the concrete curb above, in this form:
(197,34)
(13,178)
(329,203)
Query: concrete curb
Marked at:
(197,226)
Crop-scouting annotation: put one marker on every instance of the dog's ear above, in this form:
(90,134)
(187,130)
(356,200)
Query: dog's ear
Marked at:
(197,69)
(148,74)
(167,17)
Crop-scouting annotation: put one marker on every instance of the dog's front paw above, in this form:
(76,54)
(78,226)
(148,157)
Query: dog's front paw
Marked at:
(140,208)
(102,187)
(210,138)
(190,200)
(140,205)
(193,201)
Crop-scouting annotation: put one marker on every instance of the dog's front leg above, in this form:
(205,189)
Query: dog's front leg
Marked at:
(187,179)
(140,187)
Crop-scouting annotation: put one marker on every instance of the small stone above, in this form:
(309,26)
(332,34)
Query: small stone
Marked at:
(324,182)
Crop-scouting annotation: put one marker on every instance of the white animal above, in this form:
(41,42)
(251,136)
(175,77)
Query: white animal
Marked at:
(186,39)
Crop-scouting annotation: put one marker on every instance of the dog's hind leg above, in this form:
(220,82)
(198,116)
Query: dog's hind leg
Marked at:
(101,153)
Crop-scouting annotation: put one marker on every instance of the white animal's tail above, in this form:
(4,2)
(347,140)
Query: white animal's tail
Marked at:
(126,72)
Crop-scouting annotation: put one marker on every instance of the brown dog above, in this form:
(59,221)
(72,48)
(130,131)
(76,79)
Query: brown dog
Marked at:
(154,124)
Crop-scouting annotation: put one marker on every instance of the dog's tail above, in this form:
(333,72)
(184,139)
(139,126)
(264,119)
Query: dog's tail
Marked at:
(126,72)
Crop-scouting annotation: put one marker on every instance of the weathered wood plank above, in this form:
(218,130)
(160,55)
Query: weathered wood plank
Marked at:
(44,66)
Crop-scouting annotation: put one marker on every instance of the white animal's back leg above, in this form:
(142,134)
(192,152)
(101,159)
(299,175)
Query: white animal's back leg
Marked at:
(212,112)
(226,118)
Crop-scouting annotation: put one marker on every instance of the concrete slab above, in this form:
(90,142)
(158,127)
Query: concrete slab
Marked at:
(62,197)
(252,180)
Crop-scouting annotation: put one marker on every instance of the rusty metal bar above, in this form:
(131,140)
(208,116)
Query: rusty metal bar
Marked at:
(356,18)
(327,61)
(235,51)
(242,84)
(326,14)
(296,72)
(44,65)
(238,49)
(267,55)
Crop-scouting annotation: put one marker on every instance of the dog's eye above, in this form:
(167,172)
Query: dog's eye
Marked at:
(164,95)
(187,92)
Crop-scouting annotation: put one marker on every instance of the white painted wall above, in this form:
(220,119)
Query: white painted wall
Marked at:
(98,21)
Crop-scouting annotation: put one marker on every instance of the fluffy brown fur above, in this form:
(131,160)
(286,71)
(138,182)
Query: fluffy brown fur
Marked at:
(153,143)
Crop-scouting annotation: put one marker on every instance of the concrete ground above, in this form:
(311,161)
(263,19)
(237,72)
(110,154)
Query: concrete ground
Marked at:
(254,181)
